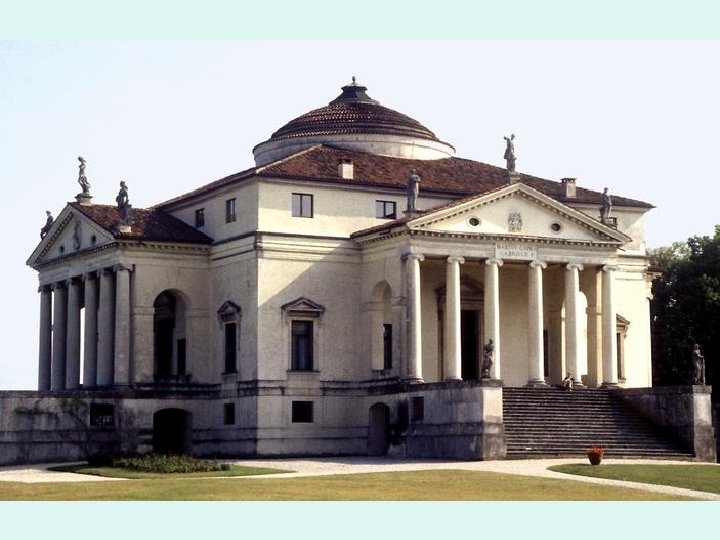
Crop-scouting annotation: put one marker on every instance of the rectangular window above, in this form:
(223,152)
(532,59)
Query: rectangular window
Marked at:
(385,209)
(302,346)
(181,356)
(102,414)
(200,217)
(231,347)
(302,205)
(229,414)
(302,412)
(230,214)
(387,346)
(418,409)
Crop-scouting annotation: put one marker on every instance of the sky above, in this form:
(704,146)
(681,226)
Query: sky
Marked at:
(638,117)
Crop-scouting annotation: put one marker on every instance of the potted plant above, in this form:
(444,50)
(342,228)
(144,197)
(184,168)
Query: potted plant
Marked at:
(595,454)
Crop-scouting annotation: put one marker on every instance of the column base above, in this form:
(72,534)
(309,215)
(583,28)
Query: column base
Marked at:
(453,379)
(610,385)
(536,384)
(413,380)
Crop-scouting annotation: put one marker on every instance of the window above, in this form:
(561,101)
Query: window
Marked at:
(230,347)
(418,409)
(230,214)
(181,356)
(385,209)
(387,346)
(200,217)
(302,205)
(102,414)
(302,346)
(302,412)
(229,414)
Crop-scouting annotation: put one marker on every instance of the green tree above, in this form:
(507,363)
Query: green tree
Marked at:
(686,308)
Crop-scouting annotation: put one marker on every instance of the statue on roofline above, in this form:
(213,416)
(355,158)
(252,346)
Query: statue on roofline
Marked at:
(48,224)
(413,189)
(82,179)
(510,152)
(606,206)
(123,203)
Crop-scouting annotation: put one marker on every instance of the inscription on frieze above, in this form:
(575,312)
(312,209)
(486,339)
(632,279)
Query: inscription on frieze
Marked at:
(515,252)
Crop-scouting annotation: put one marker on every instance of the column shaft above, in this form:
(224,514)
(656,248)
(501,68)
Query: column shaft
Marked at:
(91,331)
(414,318)
(106,329)
(452,352)
(609,328)
(45,348)
(492,312)
(59,340)
(122,326)
(535,324)
(72,366)
(572,320)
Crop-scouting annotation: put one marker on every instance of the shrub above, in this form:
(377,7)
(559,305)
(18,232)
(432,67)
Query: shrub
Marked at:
(168,464)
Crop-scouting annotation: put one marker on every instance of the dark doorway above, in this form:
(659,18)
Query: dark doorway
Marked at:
(172,432)
(470,367)
(379,430)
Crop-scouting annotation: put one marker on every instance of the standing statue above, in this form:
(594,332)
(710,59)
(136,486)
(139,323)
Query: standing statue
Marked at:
(698,361)
(123,203)
(488,350)
(413,189)
(510,153)
(82,179)
(606,206)
(48,224)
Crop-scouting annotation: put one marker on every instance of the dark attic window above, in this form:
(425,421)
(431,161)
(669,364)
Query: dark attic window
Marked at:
(200,217)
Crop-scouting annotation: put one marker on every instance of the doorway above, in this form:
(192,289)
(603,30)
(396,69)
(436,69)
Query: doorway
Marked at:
(469,339)
(379,430)
(172,432)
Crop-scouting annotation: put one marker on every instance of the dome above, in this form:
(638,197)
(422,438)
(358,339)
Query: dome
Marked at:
(354,121)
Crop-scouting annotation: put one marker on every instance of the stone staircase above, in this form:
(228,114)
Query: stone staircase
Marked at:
(553,422)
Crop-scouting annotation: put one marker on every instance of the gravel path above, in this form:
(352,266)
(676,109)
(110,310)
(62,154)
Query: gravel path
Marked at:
(355,465)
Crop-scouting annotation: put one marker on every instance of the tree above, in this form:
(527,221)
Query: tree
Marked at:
(686,309)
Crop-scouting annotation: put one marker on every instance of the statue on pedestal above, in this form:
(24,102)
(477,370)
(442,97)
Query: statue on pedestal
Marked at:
(698,361)
(413,189)
(82,179)
(488,351)
(123,203)
(510,153)
(48,224)
(606,206)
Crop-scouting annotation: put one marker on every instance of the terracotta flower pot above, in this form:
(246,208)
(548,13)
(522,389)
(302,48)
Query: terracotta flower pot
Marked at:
(595,459)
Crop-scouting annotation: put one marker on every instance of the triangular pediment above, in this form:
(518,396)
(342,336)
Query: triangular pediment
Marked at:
(72,233)
(517,210)
(303,307)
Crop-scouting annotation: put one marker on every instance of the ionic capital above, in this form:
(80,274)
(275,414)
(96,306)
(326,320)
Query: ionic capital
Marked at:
(57,285)
(609,268)
(45,288)
(120,267)
(452,259)
(493,261)
(413,256)
(570,267)
(538,264)
(75,280)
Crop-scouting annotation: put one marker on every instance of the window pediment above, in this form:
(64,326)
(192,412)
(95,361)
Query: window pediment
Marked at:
(303,307)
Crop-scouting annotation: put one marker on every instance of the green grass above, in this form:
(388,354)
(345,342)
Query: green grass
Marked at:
(697,477)
(437,485)
(118,472)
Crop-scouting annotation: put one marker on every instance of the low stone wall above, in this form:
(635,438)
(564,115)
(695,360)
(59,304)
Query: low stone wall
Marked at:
(684,410)
(455,420)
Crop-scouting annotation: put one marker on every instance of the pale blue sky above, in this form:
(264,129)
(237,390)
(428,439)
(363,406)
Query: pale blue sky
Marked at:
(638,117)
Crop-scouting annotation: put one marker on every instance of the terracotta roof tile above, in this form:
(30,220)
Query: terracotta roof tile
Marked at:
(454,176)
(147,224)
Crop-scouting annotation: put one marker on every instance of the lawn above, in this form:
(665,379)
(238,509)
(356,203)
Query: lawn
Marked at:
(697,477)
(437,485)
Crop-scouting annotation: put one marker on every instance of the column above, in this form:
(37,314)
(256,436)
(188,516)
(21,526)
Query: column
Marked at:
(45,348)
(59,340)
(451,352)
(121,375)
(609,328)
(72,358)
(106,329)
(91,330)
(572,320)
(535,324)
(492,312)
(414,318)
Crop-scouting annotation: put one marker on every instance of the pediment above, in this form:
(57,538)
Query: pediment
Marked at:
(70,234)
(303,307)
(517,210)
